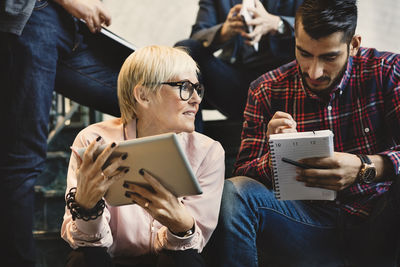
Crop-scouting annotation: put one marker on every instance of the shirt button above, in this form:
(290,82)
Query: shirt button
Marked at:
(366,130)
(329,108)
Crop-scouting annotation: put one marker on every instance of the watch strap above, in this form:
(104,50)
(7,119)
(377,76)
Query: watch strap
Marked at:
(187,233)
(281,27)
(364,159)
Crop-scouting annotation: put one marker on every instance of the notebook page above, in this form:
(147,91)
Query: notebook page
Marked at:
(296,146)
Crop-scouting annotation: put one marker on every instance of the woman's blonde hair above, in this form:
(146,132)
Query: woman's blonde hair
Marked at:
(148,67)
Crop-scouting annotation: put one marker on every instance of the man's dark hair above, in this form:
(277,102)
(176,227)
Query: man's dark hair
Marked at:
(321,18)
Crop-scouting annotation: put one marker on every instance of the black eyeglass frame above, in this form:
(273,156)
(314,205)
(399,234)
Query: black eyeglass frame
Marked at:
(193,86)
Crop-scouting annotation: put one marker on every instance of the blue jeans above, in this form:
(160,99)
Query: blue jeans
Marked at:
(51,53)
(255,229)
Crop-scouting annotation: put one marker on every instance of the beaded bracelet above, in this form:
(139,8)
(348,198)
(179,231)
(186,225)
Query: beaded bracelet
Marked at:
(78,212)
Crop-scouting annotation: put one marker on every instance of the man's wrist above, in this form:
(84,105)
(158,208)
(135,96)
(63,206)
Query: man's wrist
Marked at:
(367,171)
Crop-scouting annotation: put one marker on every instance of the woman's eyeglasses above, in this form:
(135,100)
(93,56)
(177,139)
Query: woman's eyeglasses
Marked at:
(186,89)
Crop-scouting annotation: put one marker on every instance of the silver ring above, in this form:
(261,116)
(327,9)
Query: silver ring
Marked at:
(104,176)
(146,205)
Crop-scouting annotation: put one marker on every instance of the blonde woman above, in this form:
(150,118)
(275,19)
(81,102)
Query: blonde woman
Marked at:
(158,92)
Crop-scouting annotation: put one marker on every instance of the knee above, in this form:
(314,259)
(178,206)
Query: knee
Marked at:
(194,48)
(189,43)
(241,186)
(240,192)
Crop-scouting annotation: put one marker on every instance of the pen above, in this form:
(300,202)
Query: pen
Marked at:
(297,164)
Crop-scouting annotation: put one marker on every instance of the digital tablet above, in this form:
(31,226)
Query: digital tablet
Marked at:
(161,156)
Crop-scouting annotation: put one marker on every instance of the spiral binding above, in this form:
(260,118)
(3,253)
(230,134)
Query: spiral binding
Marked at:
(277,192)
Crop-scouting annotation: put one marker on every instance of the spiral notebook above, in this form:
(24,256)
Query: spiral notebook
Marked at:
(296,146)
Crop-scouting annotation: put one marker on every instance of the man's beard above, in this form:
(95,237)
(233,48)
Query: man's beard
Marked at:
(327,90)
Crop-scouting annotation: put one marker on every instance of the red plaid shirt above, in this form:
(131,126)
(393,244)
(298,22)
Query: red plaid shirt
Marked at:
(363,112)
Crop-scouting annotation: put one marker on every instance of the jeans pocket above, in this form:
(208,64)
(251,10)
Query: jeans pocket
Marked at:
(40,4)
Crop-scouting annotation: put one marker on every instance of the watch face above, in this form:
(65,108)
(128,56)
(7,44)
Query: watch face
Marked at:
(281,27)
(369,175)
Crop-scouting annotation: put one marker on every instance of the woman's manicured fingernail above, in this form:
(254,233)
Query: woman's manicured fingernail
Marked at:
(127,194)
(141,172)
(125,185)
(126,170)
(124,156)
(98,138)
(113,144)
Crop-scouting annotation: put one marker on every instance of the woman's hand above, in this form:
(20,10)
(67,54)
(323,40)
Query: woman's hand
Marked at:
(93,12)
(281,122)
(92,181)
(263,23)
(161,204)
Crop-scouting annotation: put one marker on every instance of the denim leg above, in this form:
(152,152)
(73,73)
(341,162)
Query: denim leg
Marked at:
(27,72)
(226,84)
(88,75)
(254,228)
(376,241)
(28,68)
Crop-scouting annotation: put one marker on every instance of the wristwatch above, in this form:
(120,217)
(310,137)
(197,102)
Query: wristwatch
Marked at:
(187,233)
(367,172)
(281,27)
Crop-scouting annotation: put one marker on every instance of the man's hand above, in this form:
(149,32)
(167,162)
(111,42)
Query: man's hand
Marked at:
(335,173)
(233,25)
(93,12)
(281,122)
(263,23)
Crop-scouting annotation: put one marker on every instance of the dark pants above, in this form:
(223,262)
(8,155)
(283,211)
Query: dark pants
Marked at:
(226,85)
(50,53)
(255,229)
(98,257)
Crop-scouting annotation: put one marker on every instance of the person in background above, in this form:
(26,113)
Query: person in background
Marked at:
(44,48)
(227,76)
(355,92)
(158,92)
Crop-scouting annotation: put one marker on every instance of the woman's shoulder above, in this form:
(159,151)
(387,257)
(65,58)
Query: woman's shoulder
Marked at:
(199,142)
(204,153)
